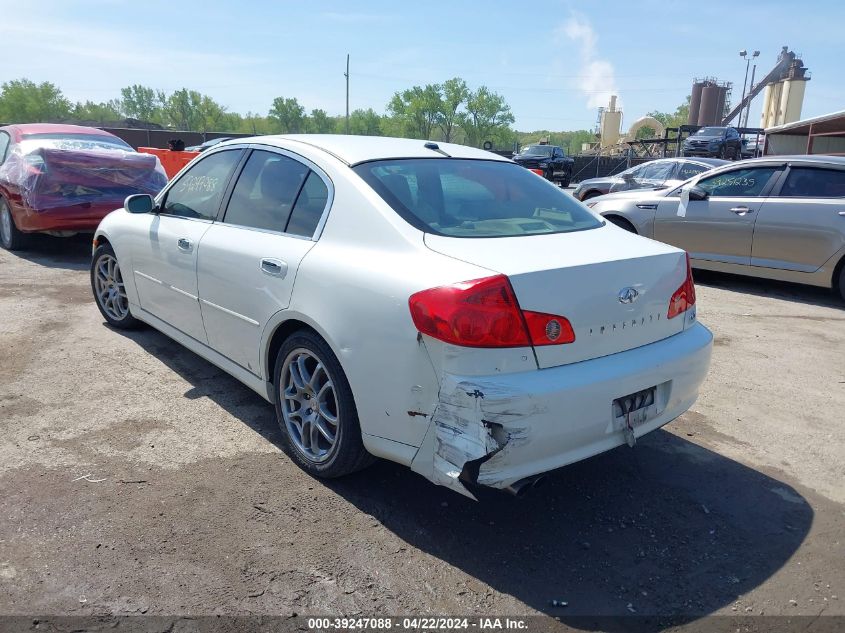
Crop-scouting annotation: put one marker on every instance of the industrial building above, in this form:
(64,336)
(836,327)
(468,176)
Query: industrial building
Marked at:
(819,135)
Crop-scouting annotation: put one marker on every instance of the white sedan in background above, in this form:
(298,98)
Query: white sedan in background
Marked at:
(432,304)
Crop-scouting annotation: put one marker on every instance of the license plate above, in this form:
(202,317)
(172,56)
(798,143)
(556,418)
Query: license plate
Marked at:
(636,408)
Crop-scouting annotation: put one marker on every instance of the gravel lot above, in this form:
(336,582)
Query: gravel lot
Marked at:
(138,478)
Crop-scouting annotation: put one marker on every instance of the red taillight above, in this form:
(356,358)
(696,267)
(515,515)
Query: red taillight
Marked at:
(684,297)
(484,313)
(539,172)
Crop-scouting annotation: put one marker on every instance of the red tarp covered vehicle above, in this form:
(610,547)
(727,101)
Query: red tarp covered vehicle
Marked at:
(64,179)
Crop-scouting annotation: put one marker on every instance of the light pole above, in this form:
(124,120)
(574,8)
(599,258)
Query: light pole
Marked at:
(744,54)
(346,74)
(751,87)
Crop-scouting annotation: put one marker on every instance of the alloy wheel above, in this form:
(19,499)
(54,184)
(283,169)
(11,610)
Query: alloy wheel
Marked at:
(309,405)
(5,223)
(109,287)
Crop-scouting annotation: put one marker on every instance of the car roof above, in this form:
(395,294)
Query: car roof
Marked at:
(55,128)
(816,159)
(353,150)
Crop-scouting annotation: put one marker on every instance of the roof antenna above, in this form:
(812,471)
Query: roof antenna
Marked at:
(434,147)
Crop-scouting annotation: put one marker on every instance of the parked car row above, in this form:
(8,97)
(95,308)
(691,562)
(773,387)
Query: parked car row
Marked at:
(434,304)
(780,217)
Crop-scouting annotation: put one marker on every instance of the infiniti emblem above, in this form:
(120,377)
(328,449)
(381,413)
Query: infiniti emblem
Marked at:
(628,295)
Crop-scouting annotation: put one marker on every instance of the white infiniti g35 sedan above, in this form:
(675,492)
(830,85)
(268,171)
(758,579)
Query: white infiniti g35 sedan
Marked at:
(432,304)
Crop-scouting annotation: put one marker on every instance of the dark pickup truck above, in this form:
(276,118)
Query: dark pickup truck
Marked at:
(549,161)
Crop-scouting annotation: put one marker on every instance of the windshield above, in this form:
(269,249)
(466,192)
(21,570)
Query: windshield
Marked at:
(710,131)
(72,141)
(537,150)
(474,198)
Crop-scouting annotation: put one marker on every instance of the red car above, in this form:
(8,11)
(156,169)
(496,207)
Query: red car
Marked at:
(64,179)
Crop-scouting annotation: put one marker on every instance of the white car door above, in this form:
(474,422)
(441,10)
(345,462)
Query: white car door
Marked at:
(720,227)
(164,248)
(248,262)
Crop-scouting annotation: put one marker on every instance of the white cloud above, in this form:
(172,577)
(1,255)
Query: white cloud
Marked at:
(597,77)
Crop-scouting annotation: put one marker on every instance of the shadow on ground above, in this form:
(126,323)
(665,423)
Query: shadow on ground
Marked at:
(70,253)
(668,530)
(784,290)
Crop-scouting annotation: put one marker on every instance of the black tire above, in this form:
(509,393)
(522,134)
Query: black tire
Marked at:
(566,180)
(622,223)
(11,238)
(116,313)
(549,175)
(842,282)
(347,454)
(723,153)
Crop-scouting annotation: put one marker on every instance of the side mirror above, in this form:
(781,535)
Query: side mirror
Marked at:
(696,193)
(139,203)
(628,178)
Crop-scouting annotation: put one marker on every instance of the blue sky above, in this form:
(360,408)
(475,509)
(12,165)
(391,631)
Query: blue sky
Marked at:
(554,61)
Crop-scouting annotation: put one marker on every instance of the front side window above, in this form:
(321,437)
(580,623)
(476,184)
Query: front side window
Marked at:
(4,145)
(810,182)
(656,171)
(687,170)
(748,182)
(474,198)
(266,191)
(198,192)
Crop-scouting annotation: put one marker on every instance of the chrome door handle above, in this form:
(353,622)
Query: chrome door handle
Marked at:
(184,244)
(741,210)
(275,267)
(842,213)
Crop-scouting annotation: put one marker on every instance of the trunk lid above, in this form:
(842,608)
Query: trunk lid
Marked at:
(580,276)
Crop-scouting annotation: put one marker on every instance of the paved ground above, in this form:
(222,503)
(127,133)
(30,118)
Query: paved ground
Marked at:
(138,478)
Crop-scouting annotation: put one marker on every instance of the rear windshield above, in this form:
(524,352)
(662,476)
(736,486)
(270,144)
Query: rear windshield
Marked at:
(537,150)
(72,141)
(475,198)
(710,131)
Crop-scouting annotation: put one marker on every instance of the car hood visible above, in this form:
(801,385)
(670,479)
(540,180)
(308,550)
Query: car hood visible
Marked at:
(705,138)
(598,182)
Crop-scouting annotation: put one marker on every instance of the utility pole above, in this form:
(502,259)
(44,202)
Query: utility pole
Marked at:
(346,74)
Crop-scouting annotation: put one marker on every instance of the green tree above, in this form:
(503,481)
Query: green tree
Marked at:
(364,122)
(22,101)
(454,94)
(287,115)
(486,114)
(418,109)
(142,102)
(320,123)
(678,117)
(645,132)
(100,113)
(182,110)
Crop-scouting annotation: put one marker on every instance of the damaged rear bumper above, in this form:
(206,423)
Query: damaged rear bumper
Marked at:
(497,430)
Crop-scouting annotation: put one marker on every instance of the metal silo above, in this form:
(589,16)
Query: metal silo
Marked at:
(720,104)
(709,101)
(694,103)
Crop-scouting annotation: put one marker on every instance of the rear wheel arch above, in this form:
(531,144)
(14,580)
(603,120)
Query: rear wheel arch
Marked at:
(592,193)
(838,279)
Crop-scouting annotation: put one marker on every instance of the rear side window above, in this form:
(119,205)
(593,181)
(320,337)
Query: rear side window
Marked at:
(198,192)
(309,207)
(809,182)
(747,183)
(474,198)
(266,191)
